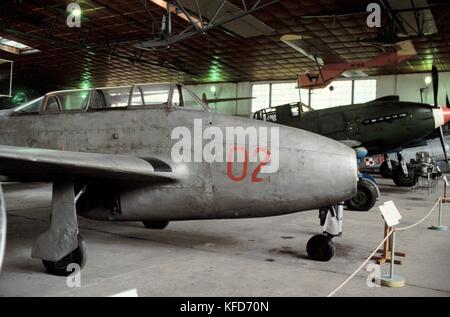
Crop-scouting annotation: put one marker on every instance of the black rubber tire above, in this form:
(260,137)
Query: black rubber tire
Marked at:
(401,180)
(365,198)
(320,248)
(385,171)
(77,256)
(158,225)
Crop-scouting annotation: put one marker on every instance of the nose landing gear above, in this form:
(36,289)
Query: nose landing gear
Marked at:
(321,247)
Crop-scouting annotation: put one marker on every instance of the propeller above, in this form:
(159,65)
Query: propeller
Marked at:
(435,81)
(441,138)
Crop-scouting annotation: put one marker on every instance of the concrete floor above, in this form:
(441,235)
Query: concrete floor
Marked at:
(247,257)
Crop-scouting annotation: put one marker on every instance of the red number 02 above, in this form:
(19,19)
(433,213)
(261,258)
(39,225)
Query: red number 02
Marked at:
(230,163)
(255,178)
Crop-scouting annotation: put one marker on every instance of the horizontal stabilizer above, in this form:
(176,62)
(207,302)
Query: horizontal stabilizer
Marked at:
(208,101)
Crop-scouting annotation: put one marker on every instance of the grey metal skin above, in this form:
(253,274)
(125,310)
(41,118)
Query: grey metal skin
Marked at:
(2,227)
(314,171)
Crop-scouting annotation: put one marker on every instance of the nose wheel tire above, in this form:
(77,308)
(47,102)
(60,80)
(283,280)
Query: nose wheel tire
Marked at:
(155,224)
(365,198)
(77,256)
(320,248)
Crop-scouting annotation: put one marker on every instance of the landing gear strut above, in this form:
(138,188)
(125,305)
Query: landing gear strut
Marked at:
(321,247)
(387,167)
(402,175)
(61,248)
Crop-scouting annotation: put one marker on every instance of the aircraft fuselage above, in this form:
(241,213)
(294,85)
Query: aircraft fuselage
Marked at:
(379,126)
(313,173)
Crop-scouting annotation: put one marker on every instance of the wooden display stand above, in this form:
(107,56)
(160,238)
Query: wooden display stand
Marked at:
(386,251)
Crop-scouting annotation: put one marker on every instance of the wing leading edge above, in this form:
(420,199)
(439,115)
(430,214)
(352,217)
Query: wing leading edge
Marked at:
(34,164)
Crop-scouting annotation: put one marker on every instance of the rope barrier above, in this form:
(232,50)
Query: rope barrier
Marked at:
(425,217)
(379,246)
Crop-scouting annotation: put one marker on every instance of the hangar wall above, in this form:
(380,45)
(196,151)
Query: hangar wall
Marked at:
(406,86)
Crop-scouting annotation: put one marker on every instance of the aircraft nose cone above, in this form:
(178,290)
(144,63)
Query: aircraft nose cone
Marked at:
(446,112)
(441,116)
(306,172)
(318,171)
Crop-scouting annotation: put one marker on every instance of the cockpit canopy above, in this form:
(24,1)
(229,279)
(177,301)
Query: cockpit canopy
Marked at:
(283,113)
(109,98)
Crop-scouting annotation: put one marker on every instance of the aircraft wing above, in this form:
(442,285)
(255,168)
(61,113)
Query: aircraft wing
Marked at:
(312,48)
(33,164)
(351,143)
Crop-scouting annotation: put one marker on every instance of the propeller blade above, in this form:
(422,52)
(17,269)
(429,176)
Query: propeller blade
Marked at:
(447,104)
(435,80)
(441,138)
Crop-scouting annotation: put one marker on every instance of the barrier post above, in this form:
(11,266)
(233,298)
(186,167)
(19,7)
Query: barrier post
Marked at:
(392,280)
(443,200)
(391,216)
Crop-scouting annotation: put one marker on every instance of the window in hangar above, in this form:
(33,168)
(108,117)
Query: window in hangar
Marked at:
(364,90)
(344,92)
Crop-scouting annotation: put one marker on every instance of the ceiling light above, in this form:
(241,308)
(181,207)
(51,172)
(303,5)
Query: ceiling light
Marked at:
(14,47)
(76,12)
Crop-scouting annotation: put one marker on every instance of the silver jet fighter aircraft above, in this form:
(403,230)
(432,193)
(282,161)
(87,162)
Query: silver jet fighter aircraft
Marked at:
(114,154)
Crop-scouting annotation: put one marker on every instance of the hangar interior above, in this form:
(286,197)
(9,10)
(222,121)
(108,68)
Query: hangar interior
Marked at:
(242,58)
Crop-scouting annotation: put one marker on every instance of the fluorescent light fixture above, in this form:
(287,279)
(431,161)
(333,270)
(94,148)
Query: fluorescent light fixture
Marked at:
(14,47)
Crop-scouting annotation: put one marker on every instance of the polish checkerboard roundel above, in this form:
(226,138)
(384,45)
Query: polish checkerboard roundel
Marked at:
(369,161)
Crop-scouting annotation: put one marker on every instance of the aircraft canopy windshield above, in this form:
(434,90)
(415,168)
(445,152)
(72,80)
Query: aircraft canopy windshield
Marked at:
(115,97)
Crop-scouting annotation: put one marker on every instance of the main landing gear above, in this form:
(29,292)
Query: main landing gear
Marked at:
(401,173)
(321,247)
(64,266)
(61,248)
(367,192)
(366,196)
(387,167)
